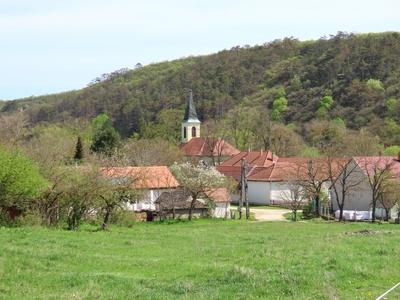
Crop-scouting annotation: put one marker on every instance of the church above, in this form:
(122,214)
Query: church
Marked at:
(195,147)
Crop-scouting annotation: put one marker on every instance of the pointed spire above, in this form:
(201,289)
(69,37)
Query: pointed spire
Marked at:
(190,111)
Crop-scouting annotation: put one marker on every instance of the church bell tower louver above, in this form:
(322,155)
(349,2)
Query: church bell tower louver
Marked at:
(191,123)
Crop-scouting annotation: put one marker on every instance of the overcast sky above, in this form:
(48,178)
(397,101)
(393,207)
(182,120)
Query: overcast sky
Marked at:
(49,46)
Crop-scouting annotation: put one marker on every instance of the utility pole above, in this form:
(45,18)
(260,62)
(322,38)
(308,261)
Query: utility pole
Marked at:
(246,199)
(242,188)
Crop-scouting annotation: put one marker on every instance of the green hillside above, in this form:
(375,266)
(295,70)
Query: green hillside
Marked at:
(360,72)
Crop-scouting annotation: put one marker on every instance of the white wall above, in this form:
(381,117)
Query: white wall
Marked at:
(258,192)
(221,210)
(360,197)
(147,200)
(280,192)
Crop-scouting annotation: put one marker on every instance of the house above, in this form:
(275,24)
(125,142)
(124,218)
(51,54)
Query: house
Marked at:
(151,180)
(211,150)
(269,176)
(156,181)
(362,170)
(177,203)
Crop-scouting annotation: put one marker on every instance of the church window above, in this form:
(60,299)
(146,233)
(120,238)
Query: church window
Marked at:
(193,131)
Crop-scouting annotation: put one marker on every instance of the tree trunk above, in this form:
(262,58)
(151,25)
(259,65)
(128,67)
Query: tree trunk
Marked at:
(294,215)
(341,213)
(106,218)
(373,211)
(387,214)
(317,206)
(192,204)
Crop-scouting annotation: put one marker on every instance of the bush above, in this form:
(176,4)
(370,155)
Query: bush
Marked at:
(124,218)
(307,211)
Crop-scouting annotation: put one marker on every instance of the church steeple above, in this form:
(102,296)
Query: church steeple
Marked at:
(190,123)
(190,111)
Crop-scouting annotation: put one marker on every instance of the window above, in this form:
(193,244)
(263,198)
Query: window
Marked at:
(193,131)
(184,132)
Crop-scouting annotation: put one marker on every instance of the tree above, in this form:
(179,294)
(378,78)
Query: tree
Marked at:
(240,122)
(147,152)
(313,177)
(198,180)
(345,176)
(78,156)
(325,105)
(105,138)
(294,197)
(20,181)
(378,173)
(81,195)
(214,133)
(279,106)
(389,196)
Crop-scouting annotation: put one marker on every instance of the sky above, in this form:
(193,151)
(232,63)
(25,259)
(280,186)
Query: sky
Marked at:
(49,46)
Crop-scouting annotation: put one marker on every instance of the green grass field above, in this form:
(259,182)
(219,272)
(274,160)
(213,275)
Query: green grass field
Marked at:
(205,259)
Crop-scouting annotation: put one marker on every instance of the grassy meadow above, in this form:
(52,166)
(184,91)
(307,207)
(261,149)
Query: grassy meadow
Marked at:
(204,259)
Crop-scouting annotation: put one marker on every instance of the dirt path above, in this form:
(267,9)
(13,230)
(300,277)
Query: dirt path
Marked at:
(262,214)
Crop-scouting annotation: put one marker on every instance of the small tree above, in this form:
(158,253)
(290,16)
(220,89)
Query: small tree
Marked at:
(198,180)
(78,156)
(294,197)
(344,176)
(378,173)
(115,192)
(313,176)
(324,106)
(105,138)
(389,197)
(20,181)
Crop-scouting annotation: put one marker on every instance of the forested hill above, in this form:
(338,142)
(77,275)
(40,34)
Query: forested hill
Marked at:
(360,72)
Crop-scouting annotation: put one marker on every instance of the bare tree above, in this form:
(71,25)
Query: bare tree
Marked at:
(294,197)
(378,172)
(313,176)
(345,176)
(13,128)
(214,133)
(389,197)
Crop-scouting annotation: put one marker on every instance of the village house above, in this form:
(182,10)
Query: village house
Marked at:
(177,203)
(156,181)
(362,170)
(210,150)
(152,181)
(269,176)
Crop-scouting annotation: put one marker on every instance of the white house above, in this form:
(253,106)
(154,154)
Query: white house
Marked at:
(361,171)
(153,181)
(268,176)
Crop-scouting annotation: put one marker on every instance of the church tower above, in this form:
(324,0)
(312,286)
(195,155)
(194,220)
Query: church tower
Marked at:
(190,123)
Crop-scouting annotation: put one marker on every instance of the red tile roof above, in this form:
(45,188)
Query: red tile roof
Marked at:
(153,177)
(220,195)
(371,163)
(202,147)
(265,166)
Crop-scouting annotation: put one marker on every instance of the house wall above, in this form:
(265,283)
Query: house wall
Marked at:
(147,200)
(280,192)
(258,192)
(360,197)
(221,210)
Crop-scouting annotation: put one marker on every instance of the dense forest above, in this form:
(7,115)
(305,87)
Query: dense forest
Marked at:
(292,87)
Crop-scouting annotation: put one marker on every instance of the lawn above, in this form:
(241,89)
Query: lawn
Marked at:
(206,259)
